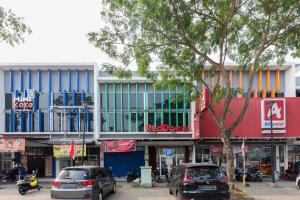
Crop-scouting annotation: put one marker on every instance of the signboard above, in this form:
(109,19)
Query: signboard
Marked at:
(196,126)
(169,152)
(278,113)
(63,150)
(166,128)
(12,144)
(204,100)
(118,146)
(24,102)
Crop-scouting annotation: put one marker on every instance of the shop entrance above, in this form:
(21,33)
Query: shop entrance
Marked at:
(167,162)
(36,162)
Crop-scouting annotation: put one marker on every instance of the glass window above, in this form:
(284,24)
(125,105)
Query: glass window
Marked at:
(151,118)
(125,101)
(125,121)
(8,101)
(173,119)
(118,122)
(158,100)
(78,99)
(103,100)
(57,122)
(45,118)
(166,100)
(73,174)
(141,101)
(133,122)
(158,118)
(118,101)
(111,122)
(7,122)
(89,98)
(132,100)
(141,122)
(166,118)
(103,122)
(58,99)
(150,101)
(180,119)
(17,122)
(69,99)
(173,101)
(43,101)
(111,101)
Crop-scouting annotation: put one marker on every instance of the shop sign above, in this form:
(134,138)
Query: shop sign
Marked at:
(118,146)
(12,144)
(24,102)
(169,152)
(204,100)
(63,150)
(278,113)
(166,128)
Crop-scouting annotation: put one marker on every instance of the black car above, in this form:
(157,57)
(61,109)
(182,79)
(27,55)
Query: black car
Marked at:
(84,182)
(198,181)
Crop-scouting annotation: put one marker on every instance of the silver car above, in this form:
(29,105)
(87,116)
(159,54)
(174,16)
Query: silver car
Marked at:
(84,182)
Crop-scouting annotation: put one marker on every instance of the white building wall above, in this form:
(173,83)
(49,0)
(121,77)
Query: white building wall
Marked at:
(290,82)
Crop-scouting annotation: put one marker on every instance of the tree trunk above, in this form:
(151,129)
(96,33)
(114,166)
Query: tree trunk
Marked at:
(229,161)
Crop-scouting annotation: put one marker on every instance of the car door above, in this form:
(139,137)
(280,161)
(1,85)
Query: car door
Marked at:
(105,181)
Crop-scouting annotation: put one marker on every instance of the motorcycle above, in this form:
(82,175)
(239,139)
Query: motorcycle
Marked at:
(29,183)
(254,174)
(9,176)
(155,175)
(132,175)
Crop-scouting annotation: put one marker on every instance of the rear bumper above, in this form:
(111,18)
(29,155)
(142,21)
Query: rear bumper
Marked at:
(59,194)
(206,195)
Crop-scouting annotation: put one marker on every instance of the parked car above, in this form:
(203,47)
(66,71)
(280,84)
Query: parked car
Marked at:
(198,181)
(298,181)
(83,182)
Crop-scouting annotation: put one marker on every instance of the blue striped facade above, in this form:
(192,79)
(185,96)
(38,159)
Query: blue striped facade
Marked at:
(47,83)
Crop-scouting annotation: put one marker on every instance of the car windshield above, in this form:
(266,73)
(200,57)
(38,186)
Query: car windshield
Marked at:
(204,172)
(73,174)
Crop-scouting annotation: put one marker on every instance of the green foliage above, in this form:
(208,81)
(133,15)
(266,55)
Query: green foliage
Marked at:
(12,28)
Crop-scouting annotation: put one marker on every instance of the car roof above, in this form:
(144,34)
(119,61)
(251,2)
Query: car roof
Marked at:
(199,165)
(83,167)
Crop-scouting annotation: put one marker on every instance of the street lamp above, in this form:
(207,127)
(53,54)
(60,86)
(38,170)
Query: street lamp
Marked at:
(270,104)
(84,104)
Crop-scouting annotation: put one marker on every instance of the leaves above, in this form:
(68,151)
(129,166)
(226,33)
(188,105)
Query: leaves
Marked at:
(12,28)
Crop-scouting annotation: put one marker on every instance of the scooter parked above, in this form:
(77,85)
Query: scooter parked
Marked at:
(29,183)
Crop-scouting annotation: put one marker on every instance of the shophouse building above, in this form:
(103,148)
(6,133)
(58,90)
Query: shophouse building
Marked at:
(271,83)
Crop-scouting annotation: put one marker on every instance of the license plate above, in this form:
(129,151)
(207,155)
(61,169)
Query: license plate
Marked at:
(207,187)
(69,186)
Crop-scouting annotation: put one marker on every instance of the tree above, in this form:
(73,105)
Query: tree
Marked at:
(12,28)
(179,38)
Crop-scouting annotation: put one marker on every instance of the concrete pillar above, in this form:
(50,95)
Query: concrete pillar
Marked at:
(57,165)
(96,103)
(146,156)
(2,103)
(194,154)
(286,157)
(277,164)
(101,159)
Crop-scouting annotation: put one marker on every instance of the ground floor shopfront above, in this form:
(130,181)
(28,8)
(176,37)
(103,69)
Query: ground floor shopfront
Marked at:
(161,155)
(258,155)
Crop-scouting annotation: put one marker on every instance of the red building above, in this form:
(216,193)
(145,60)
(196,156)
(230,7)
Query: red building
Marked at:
(255,130)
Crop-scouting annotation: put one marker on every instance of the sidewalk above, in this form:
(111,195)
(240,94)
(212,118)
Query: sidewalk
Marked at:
(286,190)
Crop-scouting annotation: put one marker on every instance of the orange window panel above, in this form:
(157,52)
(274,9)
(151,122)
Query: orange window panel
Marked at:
(230,78)
(277,77)
(240,79)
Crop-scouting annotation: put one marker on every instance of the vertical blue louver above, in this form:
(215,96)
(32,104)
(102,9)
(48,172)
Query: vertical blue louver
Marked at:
(49,98)
(29,120)
(11,117)
(59,80)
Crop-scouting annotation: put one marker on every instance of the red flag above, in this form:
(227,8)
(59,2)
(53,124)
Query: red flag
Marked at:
(72,151)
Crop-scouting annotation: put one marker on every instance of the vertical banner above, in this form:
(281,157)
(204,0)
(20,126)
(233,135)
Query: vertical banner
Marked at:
(48,166)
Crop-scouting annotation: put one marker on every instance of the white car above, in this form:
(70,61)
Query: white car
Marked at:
(298,181)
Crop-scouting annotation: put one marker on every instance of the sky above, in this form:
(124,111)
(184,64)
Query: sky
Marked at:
(59,31)
(59,34)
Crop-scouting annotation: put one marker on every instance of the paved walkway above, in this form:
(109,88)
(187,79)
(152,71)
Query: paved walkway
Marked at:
(286,190)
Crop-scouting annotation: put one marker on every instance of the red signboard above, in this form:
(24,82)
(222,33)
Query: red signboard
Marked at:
(118,146)
(278,113)
(196,127)
(166,128)
(204,99)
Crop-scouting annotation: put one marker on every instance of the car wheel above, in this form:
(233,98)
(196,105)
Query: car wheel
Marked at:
(114,188)
(100,196)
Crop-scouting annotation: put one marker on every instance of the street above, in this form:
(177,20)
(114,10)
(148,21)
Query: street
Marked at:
(260,191)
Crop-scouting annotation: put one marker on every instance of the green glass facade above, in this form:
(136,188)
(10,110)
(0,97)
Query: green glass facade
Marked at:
(128,107)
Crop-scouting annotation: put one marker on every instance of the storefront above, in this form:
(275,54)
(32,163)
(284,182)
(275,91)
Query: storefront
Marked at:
(255,131)
(156,119)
